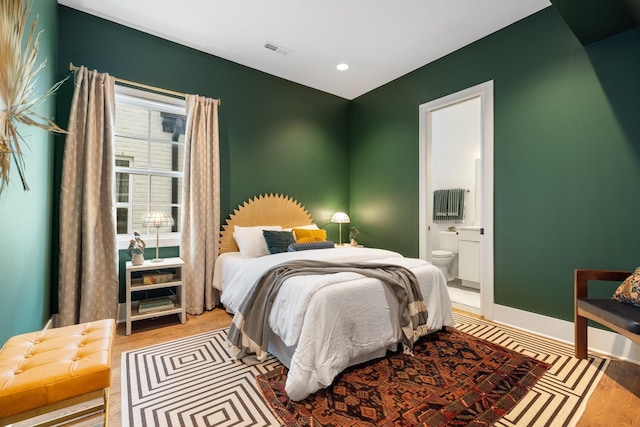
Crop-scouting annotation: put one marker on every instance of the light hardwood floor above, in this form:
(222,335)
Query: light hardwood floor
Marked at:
(614,403)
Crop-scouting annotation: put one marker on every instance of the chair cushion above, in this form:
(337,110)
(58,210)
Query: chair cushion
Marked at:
(41,368)
(626,316)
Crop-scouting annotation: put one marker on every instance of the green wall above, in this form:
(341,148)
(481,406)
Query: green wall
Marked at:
(275,136)
(566,151)
(25,232)
(566,161)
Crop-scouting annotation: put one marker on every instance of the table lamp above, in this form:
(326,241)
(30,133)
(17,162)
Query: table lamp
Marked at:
(157,220)
(340,218)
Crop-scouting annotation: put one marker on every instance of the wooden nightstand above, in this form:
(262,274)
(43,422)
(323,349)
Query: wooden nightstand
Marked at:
(169,274)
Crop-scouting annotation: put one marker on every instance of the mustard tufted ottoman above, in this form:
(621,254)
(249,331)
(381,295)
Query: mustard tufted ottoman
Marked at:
(44,371)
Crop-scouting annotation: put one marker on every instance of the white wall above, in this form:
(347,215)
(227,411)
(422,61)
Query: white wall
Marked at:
(456,145)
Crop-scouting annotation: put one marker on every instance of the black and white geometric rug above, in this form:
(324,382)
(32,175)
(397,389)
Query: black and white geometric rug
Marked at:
(193,382)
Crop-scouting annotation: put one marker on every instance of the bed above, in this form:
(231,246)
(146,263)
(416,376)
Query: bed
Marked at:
(320,325)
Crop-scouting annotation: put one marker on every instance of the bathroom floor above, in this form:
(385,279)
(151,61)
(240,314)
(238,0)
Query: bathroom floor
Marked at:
(462,297)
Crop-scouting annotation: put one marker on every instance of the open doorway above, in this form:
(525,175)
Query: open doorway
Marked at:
(456,155)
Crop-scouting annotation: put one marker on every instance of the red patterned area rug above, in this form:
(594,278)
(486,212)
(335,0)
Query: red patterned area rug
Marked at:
(453,379)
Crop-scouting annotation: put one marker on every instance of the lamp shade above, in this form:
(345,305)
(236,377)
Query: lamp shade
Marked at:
(157,220)
(340,218)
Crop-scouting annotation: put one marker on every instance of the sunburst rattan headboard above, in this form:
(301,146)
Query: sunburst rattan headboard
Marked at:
(266,209)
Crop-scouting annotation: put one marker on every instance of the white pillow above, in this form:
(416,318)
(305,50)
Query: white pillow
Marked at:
(251,241)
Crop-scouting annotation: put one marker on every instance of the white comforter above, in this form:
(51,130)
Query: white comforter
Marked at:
(332,321)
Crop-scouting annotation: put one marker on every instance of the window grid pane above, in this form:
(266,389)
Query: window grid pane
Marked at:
(122,220)
(149,145)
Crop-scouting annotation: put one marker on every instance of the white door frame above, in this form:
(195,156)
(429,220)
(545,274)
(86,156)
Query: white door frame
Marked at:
(485,92)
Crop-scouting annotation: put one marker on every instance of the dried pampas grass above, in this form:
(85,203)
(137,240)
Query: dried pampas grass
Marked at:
(18,78)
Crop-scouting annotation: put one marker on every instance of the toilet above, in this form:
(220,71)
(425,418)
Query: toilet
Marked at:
(443,257)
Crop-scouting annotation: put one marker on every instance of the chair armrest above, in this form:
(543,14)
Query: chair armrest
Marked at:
(582,277)
(581,280)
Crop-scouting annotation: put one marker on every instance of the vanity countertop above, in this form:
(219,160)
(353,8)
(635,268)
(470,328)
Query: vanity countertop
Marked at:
(469,227)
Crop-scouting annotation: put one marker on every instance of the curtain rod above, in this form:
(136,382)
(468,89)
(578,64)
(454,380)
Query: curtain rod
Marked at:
(143,86)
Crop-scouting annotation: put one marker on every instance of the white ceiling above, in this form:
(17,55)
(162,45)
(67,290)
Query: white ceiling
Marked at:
(380,40)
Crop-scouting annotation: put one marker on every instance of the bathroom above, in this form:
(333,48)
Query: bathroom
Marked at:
(456,149)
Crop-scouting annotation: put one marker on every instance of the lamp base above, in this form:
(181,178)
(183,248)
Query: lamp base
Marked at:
(157,258)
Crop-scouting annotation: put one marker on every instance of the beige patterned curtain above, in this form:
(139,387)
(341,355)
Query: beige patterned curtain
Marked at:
(201,201)
(88,277)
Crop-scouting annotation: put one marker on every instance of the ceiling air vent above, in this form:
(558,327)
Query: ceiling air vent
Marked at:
(274,47)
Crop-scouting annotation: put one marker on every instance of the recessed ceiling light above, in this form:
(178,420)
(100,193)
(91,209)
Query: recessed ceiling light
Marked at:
(343,66)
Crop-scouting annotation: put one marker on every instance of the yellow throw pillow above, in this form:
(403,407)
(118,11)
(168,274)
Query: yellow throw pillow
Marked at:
(309,235)
(310,239)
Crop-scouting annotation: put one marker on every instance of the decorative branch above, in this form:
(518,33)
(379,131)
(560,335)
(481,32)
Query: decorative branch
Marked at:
(18,77)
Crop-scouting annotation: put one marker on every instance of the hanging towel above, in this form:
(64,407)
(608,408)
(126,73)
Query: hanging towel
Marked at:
(439,204)
(448,205)
(454,204)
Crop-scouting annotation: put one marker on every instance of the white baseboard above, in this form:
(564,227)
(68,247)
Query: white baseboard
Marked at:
(465,307)
(601,341)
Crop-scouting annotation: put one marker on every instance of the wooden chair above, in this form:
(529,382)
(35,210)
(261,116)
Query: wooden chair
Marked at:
(619,317)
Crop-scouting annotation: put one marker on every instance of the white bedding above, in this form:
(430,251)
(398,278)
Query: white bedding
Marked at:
(331,321)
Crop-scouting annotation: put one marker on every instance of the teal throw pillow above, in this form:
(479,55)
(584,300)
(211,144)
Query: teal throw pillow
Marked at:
(278,241)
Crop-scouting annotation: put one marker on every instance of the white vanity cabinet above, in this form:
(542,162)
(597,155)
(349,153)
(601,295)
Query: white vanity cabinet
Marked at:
(469,256)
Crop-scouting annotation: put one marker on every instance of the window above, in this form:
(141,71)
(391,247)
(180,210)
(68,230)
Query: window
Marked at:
(123,205)
(149,153)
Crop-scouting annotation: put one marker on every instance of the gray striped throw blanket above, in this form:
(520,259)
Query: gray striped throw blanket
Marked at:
(249,330)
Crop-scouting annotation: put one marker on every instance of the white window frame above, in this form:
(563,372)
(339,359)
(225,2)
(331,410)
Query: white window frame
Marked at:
(164,103)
